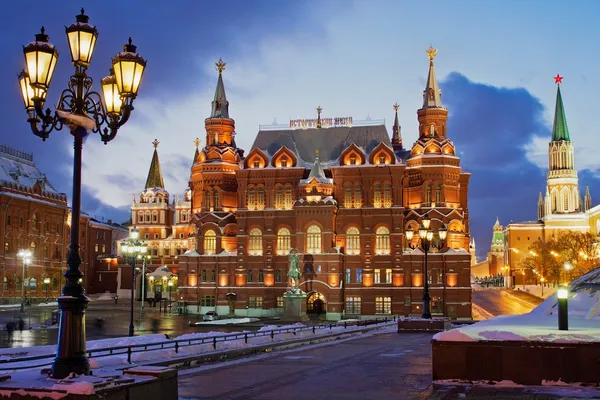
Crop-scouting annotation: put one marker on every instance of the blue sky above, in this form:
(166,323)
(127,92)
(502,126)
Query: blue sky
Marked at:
(495,63)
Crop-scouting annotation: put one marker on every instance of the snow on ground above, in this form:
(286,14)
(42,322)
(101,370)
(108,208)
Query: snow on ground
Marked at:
(541,324)
(536,290)
(105,296)
(228,321)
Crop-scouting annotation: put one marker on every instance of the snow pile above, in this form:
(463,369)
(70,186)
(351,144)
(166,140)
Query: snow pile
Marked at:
(541,324)
(536,290)
(106,296)
(228,321)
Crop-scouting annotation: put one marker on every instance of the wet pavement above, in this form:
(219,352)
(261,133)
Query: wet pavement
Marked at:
(504,301)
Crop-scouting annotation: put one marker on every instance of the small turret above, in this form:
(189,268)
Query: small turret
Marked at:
(220,105)
(588,199)
(540,207)
(432,95)
(155,178)
(396,134)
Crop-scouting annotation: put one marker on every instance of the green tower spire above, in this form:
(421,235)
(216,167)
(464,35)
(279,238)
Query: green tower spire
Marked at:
(560,131)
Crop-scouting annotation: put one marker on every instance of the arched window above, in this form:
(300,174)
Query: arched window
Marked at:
(261,198)
(554,201)
(35,222)
(377,195)
(279,198)
(251,198)
(566,200)
(210,242)
(284,162)
(427,193)
(154,216)
(348,195)
(432,130)
(207,199)
(283,241)
(387,194)
(255,247)
(288,198)
(353,159)
(357,196)
(216,200)
(313,239)
(147,214)
(140,217)
(352,241)
(382,240)
(438,193)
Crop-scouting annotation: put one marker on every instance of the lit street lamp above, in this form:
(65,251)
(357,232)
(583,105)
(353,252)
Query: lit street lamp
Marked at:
(81,110)
(133,248)
(26,257)
(427,238)
(563,309)
(47,283)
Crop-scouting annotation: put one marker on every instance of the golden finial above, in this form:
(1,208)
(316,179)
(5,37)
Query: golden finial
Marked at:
(220,65)
(431,53)
(155,143)
(317,152)
(396,107)
(197,142)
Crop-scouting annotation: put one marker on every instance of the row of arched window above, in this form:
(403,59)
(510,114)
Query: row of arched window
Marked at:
(565,201)
(211,200)
(52,223)
(382,195)
(256,200)
(147,217)
(313,241)
(433,193)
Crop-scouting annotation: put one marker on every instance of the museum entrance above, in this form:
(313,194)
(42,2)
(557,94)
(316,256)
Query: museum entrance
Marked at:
(316,304)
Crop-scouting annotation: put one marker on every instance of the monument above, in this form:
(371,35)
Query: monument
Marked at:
(294,300)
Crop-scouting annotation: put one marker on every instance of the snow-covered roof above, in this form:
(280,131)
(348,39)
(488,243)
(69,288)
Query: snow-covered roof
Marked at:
(18,167)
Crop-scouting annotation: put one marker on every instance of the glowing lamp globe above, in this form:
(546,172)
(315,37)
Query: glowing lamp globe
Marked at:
(443,232)
(110,91)
(426,222)
(82,40)
(28,92)
(562,293)
(409,235)
(40,59)
(134,233)
(129,68)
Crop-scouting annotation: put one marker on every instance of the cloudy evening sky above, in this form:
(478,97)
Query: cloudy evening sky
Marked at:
(495,64)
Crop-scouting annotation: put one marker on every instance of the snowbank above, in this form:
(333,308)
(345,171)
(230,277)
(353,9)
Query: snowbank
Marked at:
(228,321)
(536,290)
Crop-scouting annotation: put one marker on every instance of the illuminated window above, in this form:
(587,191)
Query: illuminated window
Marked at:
(255,301)
(216,199)
(387,194)
(377,278)
(382,240)
(352,241)
(288,198)
(255,247)
(377,195)
(279,198)
(357,196)
(428,193)
(383,305)
(352,305)
(388,275)
(348,195)
(206,199)
(256,164)
(438,193)
(210,242)
(280,302)
(35,222)
(251,199)
(313,239)
(261,199)
(353,159)
(382,159)
(283,241)
(284,162)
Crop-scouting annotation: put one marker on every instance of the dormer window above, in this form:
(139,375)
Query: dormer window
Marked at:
(314,190)
(353,159)
(284,162)
(256,164)
(382,159)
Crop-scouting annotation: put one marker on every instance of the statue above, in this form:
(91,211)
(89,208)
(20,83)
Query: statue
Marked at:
(294,271)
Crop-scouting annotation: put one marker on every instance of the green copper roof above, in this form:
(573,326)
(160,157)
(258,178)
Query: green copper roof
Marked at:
(155,179)
(560,131)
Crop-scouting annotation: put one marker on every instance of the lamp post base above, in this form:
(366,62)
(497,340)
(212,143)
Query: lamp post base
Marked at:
(71,350)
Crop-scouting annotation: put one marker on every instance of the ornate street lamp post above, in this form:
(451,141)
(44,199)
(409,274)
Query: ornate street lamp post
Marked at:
(47,283)
(82,111)
(133,248)
(25,256)
(428,238)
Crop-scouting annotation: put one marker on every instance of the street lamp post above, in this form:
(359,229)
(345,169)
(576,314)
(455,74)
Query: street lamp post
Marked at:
(428,238)
(47,283)
(143,285)
(25,256)
(134,249)
(82,111)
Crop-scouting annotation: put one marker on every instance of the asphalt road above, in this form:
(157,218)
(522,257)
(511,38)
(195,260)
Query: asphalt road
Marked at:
(502,301)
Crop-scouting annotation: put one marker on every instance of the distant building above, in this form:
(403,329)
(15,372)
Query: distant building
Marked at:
(560,208)
(338,192)
(494,263)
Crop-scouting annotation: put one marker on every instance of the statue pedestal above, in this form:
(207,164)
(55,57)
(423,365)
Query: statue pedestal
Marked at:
(294,306)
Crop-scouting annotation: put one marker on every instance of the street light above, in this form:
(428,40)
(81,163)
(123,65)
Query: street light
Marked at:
(47,283)
(427,238)
(82,110)
(133,248)
(563,309)
(26,257)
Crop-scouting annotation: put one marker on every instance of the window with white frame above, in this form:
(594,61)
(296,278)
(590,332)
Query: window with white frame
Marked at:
(313,239)
(348,195)
(251,199)
(352,305)
(260,203)
(279,197)
(288,198)
(280,302)
(377,195)
(382,240)
(387,194)
(255,301)
(383,305)
(352,241)
(357,196)
(283,241)
(255,247)
(377,278)
(388,275)
(210,242)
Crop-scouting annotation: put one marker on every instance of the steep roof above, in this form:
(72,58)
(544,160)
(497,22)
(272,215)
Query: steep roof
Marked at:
(560,131)
(155,179)
(432,96)
(220,105)
(330,141)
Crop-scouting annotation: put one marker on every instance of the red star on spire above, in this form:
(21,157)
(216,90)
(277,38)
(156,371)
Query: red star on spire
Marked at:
(558,79)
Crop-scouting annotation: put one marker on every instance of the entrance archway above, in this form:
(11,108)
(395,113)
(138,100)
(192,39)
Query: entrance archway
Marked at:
(316,303)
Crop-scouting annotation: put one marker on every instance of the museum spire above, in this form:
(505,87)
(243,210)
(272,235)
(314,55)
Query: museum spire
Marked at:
(220,105)
(432,97)
(155,179)
(396,134)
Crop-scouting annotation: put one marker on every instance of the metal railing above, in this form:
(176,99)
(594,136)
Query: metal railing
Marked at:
(177,344)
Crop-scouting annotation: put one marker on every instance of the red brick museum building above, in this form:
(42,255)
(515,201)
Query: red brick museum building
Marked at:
(339,192)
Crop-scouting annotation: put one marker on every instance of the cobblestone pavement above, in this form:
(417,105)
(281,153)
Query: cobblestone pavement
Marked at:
(374,367)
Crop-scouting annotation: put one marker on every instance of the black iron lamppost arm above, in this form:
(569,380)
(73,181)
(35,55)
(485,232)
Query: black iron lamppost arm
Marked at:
(132,294)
